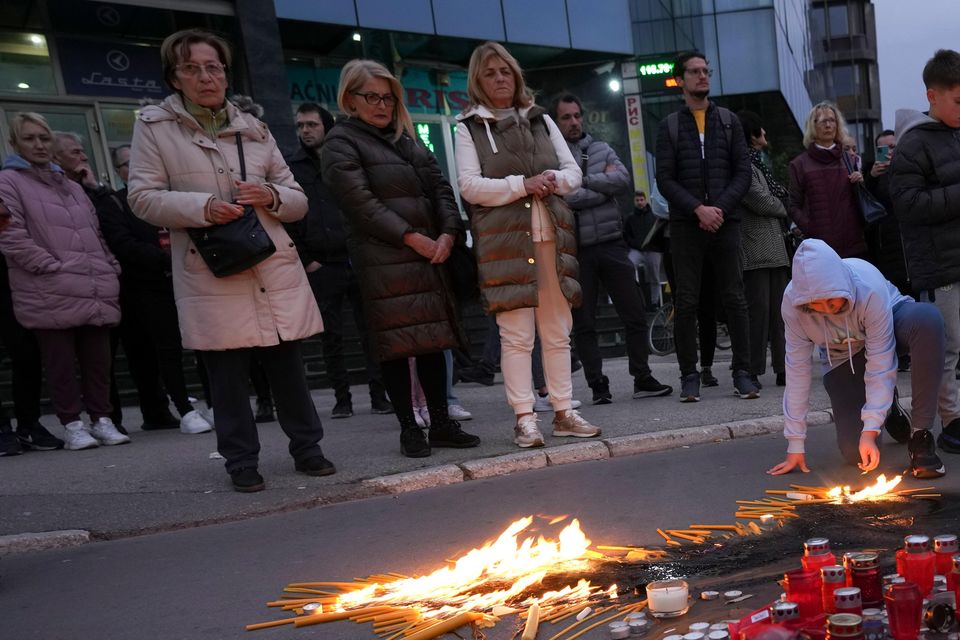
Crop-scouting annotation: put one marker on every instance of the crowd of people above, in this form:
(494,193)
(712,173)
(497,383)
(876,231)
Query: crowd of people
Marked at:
(362,213)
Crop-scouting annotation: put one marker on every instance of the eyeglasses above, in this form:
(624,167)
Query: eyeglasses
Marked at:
(192,70)
(702,71)
(373,99)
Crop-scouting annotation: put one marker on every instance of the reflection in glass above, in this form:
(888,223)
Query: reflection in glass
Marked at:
(25,65)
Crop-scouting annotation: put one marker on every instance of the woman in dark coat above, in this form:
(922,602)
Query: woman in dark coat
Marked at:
(402,220)
(822,191)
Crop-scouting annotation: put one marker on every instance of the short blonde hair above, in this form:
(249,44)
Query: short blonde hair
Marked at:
(809,129)
(352,78)
(23,117)
(522,97)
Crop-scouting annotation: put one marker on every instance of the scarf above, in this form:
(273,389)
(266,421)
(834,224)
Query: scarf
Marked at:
(777,189)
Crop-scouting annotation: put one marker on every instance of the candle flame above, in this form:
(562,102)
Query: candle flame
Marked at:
(497,572)
(881,489)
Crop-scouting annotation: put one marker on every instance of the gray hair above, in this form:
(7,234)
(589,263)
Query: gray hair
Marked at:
(60,136)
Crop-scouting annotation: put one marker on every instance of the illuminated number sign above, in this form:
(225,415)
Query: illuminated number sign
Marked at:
(655,68)
(423,132)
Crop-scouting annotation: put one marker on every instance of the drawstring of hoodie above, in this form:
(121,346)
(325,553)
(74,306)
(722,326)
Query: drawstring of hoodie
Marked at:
(826,341)
(493,145)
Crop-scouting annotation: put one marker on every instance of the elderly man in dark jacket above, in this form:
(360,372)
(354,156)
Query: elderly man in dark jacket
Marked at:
(925,188)
(603,256)
(703,170)
(322,243)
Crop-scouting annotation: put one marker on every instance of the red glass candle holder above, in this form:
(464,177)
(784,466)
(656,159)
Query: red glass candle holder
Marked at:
(904,605)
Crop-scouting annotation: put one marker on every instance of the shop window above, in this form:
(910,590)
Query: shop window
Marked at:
(25,65)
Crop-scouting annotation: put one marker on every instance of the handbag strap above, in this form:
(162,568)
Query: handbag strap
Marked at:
(243,163)
(843,154)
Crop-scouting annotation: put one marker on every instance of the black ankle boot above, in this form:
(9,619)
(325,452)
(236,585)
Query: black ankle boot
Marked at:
(413,443)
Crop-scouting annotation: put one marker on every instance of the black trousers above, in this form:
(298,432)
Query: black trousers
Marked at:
(141,362)
(24,352)
(610,264)
(237,439)
(764,292)
(333,284)
(706,311)
(691,248)
(154,315)
(432,372)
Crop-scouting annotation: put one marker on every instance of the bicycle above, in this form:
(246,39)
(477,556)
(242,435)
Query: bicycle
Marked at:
(660,332)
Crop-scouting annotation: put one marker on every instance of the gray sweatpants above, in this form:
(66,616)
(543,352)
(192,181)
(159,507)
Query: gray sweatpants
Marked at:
(918,327)
(947,300)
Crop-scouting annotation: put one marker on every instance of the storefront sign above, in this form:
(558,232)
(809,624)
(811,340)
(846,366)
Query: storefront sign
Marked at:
(93,68)
(422,94)
(638,146)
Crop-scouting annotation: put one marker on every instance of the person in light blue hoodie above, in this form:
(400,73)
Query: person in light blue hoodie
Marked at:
(858,322)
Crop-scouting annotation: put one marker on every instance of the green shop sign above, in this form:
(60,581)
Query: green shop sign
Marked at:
(422,94)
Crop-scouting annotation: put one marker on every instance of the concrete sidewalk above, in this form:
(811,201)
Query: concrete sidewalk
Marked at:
(166,480)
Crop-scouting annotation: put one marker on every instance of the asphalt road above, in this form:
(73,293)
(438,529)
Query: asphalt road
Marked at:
(209,582)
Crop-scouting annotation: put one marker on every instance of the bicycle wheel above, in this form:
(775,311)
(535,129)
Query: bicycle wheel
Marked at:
(723,337)
(661,331)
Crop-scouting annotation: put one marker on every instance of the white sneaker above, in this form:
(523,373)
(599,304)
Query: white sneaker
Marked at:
(573,424)
(526,433)
(457,412)
(542,404)
(192,422)
(106,433)
(77,437)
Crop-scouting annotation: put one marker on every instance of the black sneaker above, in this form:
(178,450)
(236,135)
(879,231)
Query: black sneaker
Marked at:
(897,422)
(264,411)
(380,406)
(452,436)
(690,387)
(707,378)
(924,461)
(743,386)
(756,382)
(10,444)
(247,480)
(601,391)
(316,466)
(413,443)
(343,409)
(948,440)
(650,387)
(37,438)
(479,374)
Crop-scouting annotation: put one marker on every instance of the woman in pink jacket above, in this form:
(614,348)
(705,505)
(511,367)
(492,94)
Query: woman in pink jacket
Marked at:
(63,279)
(185,173)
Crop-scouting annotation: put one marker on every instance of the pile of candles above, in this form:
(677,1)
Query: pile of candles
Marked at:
(854,601)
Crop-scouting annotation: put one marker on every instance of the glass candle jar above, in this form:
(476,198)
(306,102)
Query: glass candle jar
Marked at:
(953,578)
(918,563)
(847,600)
(865,572)
(904,604)
(816,554)
(845,625)
(944,547)
(831,578)
(803,587)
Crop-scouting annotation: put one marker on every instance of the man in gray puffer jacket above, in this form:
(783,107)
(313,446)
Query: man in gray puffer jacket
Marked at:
(603,256)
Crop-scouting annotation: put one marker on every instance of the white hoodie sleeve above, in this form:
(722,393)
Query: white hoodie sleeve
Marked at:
(474,188)
(569,176)
(799,368)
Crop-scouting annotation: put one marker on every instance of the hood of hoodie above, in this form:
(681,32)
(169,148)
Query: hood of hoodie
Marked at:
(15,161)
(819,273)
(908,119)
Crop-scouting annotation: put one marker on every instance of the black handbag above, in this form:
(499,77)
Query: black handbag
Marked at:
(235,246)
(870,207)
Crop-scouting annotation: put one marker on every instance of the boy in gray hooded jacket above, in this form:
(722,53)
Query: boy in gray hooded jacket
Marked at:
(858,322)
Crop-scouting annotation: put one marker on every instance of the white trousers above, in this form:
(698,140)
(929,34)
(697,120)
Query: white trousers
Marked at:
(552,320)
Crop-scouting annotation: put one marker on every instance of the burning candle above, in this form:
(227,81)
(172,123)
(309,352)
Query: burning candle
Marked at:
(667,598)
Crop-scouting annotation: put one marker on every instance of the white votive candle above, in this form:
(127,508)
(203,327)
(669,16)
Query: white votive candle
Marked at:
(667,596)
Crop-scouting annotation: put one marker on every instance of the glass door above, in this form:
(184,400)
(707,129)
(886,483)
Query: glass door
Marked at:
(75,119)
